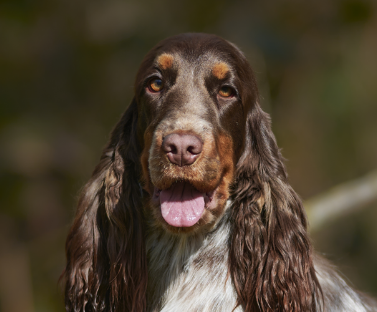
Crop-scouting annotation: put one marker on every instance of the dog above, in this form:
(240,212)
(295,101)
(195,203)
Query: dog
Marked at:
(189,208)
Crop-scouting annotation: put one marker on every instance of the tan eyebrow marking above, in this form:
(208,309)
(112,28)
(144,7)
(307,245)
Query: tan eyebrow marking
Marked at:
(220,70)
(165,61)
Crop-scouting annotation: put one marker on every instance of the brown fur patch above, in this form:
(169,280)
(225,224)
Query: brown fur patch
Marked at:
(225,144)
(165,61)
(220,70)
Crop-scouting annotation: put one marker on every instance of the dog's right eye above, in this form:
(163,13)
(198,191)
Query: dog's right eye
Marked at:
(155,85)
(226,92)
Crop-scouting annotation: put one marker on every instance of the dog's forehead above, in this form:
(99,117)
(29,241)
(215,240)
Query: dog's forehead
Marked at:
(196,54)
(206,62)
(196,50)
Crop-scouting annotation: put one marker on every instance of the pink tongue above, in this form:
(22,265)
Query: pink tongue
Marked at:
(181,205)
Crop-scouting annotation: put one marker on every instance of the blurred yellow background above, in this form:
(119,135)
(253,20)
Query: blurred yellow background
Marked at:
(66,75)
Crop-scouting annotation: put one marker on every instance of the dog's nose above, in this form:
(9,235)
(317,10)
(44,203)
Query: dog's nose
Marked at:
(182,149)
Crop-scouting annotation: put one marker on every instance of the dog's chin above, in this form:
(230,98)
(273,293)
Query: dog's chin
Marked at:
(183,209)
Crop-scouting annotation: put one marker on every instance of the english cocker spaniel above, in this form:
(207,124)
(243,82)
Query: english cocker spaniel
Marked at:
(189,208)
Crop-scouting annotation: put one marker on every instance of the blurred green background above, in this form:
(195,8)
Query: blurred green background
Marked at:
(66,75)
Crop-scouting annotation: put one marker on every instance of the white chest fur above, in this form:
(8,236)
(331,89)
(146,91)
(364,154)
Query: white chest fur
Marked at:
(189,273)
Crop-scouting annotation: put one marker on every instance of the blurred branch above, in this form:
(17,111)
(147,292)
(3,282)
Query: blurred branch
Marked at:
(344,198)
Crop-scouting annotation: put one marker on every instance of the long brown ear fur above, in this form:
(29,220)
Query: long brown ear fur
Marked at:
(270,253)
(106,262)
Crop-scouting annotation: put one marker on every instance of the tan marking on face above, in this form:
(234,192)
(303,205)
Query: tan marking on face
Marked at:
(165,61)
(220,70)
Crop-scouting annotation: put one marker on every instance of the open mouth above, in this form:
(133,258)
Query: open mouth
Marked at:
(182,205)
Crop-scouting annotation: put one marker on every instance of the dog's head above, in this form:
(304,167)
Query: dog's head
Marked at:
(192,92)
(193,137)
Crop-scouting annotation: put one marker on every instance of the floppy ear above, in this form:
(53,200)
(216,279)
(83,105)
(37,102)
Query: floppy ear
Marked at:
(106,262)
(270,252)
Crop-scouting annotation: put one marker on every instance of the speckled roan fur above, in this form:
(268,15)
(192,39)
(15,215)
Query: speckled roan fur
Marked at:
(248,252)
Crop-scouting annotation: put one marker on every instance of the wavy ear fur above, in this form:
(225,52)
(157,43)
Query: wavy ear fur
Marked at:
(106,263)
(270,252)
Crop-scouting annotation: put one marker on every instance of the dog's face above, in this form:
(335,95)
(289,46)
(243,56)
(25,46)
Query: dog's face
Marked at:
(190,92)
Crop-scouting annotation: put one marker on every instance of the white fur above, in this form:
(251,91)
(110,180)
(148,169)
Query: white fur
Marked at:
(190,273)
(338,296)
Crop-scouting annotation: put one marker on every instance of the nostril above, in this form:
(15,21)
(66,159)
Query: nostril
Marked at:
(174,149)
(191,144)
(195,150)
(169,145)
(171,148)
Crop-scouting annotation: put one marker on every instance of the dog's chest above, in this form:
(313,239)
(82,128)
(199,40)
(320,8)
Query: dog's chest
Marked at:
(187,274)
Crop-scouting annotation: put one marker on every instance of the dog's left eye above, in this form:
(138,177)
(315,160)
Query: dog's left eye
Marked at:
(155,85)
(226,91)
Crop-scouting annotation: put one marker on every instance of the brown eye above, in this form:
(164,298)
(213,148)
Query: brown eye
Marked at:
(226,92)
(155,85)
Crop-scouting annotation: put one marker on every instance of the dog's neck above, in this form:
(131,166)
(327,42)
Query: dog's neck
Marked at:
(183,269)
